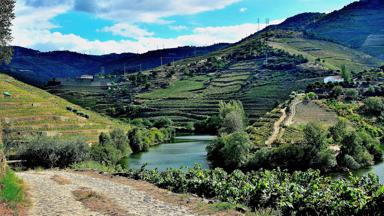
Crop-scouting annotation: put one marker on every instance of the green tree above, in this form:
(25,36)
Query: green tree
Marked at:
(347,76)
(120,140)
(339,130)
(233,116)
(6,16)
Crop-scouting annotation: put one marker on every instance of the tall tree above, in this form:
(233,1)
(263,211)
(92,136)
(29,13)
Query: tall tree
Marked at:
(6,16)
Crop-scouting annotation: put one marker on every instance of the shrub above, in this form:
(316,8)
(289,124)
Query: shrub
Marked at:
(162,123)
(233,122)
(310,96)
(351,163)
(51,152)
(351,94)
(374,105)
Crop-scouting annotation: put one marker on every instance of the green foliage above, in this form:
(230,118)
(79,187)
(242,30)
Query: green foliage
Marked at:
(162,122)
(111,148)
(42,151)
(142,139)
(291,193)
(351,94)
(374,105)
(233,117)
(7,15)
(210,125)
(230,151)
(12,189)
(339,130)
(93,165)
(337,91)
(347,76)
(310,96)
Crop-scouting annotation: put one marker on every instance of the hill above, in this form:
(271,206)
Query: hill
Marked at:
(355,26)
(29,110)
(35,67)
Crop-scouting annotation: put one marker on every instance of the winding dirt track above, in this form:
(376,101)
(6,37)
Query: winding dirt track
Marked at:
(48,197)
(277,127)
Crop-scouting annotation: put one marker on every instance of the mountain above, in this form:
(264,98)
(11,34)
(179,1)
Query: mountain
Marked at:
(37,68)
(357,25)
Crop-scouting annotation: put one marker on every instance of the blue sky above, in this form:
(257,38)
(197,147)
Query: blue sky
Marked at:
(105,26)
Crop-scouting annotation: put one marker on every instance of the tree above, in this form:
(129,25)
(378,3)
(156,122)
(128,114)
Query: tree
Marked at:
(6,17)
(382,68)
(233,122)
(233,116)
(347,76)
(338,131)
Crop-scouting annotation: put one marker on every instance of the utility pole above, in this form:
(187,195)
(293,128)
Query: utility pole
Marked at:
(258,24)
(140,67)
(161,60)
(124,70)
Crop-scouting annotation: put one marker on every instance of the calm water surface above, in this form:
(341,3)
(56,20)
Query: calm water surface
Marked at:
(189,150)
(186,151)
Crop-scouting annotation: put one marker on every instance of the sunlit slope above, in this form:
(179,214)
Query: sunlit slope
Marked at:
(29,110)
(331,55)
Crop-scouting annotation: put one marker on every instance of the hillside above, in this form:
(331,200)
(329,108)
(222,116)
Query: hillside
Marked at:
(330,55)
(34,67)
(29,110)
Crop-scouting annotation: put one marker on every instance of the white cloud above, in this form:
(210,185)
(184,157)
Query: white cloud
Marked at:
(32,28)
(127,30)
(243,10)
(178,27)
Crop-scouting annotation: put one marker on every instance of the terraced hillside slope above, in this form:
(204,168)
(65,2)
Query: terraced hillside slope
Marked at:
(328,54)
(357,25)
(27,110)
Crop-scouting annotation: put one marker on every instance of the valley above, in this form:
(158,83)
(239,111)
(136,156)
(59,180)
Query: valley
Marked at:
(288,120)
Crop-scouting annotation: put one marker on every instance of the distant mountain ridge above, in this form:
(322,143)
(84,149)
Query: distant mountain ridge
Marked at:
(358,25)
(35,67)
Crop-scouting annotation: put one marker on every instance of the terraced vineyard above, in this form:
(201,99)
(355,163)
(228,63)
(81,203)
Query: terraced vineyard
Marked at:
(331,55)
(196,98)
(29,110)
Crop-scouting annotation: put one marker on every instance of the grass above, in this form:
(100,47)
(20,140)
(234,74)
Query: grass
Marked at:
(31,109)
(92,165)
(12,189)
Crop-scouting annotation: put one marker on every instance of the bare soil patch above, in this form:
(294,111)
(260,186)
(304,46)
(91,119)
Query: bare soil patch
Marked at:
(98,202)
(61,180)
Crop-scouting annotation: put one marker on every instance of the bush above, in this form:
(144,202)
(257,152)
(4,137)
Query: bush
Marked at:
(48,152)
(351,163)
(351,94)
(291,193)
(232,151)
(374,105)
(162,123)
(111,148)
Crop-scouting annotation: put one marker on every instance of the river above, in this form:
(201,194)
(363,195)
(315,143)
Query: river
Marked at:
(189,150)
(186,151)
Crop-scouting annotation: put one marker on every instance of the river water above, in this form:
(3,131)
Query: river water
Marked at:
(189,150)
(186,151)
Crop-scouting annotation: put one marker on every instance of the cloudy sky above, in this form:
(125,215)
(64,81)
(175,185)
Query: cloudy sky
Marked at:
(116,26)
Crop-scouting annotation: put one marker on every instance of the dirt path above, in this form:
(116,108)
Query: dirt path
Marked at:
(292,108)
(49,197)
(277,127)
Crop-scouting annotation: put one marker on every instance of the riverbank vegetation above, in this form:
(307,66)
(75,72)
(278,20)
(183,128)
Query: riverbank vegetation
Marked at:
(296,193)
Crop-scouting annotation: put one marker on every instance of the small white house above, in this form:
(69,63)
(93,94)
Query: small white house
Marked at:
(333,79)
(86,77)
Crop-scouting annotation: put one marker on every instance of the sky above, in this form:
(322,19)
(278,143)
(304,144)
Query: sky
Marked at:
(118,26)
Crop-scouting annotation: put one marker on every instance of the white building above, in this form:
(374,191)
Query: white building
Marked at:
(333,79)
